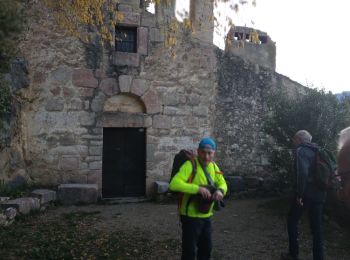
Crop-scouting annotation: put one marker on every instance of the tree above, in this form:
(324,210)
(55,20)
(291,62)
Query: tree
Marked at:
(316,111)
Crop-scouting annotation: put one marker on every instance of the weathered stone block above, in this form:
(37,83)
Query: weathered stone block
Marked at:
(161,121)
(125,83)
(95,150)
(142,33)
(95,177)
(139,87)
(161,187)
(68,92)
(200,111)
(156,35)
(95,165)
(75,104)
(84,78)
(23,205)
(70,194)
(87,119)
(124,8)
(86,92)
(69,163)
(2,199)
(151,101)
(235,183)
(254,182)
(130,19)
(125,120)
(55,104)
(98,102)
(126,59)
(61,75)
(45,196)
(39,77)
(109,86)
(148,19)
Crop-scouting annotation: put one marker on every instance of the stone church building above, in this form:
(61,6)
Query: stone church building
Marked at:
(116,117)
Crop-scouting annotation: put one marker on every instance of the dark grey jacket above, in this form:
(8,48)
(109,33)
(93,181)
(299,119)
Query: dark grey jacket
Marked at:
(304,164)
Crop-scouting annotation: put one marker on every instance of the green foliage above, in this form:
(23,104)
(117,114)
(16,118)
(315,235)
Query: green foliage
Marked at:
(316,111)
(5,97)
(11,24)
(13,192)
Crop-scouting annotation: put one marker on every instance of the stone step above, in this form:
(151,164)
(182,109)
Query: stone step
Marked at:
(161,187)
(70,194)
(45,196)
(23,205)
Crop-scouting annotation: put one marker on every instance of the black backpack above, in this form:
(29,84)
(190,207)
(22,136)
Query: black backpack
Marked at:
(179,159)
(325,166)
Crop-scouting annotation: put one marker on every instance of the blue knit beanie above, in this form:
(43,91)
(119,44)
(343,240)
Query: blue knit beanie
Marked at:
(207,143)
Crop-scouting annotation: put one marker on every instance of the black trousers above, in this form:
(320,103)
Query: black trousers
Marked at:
(196,238)
(315,210)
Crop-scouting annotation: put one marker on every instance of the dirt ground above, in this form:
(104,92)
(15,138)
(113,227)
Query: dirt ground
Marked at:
(244,229)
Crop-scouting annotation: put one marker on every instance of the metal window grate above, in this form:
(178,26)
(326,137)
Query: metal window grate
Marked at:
(126,39)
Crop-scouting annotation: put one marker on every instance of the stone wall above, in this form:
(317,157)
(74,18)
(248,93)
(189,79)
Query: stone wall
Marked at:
(241,107)
(261,50)
(70,100)
(76,90)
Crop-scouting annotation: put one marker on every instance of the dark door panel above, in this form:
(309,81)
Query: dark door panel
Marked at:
(123,166)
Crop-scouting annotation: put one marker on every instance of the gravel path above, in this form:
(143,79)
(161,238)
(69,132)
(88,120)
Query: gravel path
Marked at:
(245,229)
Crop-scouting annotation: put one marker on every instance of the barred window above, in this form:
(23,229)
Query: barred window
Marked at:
(126,39)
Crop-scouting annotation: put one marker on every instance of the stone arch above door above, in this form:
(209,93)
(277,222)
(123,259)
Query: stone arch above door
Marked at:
(125,103)
(139,88)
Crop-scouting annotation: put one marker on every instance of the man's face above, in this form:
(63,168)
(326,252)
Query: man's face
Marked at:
(206,155)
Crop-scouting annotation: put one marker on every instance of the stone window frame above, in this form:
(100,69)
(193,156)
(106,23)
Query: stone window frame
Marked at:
(131,20)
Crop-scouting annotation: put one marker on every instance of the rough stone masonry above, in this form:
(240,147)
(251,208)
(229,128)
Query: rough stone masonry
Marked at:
(75,91)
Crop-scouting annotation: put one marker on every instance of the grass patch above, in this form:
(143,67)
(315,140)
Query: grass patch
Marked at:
(75,236)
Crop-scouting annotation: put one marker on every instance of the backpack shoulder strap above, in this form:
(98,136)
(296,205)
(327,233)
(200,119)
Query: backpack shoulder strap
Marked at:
(194,169)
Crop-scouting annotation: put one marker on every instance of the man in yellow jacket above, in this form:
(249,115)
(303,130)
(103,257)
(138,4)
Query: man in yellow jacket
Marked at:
(201,189)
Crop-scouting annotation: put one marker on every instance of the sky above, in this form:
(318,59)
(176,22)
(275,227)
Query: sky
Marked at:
(311,36)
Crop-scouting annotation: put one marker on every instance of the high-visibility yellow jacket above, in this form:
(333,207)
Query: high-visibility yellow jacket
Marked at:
(180,183)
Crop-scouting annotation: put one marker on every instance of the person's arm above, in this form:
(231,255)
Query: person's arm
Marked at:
(180,183)
(220,184)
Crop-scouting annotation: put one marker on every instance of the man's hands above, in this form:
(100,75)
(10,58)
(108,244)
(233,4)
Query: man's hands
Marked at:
(217,196)
(205,193)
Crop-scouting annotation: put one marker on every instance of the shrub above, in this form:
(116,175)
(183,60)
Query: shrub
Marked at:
(316,111)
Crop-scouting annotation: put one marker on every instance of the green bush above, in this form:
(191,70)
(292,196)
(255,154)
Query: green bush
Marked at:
(316,111)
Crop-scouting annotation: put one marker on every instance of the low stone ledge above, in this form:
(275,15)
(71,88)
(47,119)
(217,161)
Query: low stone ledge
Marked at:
(235,183)
(254,182)
(161,187)
(23,205)
(45,196)
(70,194)
(2,199)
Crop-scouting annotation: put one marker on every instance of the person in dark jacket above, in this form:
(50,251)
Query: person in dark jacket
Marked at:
(306,195)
